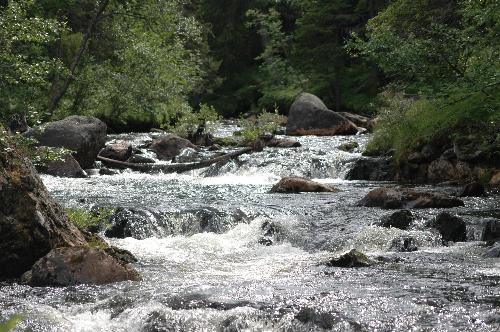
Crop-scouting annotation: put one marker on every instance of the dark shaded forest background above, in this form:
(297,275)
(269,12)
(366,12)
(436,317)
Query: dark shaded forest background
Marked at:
(429,70)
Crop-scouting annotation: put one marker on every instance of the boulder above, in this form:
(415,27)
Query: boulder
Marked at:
(491,230)
(309,116)
(397,198)
(31,222)
(169,146)
(138,159)
(296,184)
(67,167)
(401,219)
(451,227)
(359,120)
(282,143)
(473,189)
(353,258)
(84,135)
(466,149)
(79,265)
(373,169)
(118,151)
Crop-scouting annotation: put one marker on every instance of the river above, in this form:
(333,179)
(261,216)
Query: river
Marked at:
(198,240)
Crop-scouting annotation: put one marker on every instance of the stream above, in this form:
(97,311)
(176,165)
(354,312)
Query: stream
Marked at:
(197,237)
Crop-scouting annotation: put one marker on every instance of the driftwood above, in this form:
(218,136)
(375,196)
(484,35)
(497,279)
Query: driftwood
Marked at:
(175,168)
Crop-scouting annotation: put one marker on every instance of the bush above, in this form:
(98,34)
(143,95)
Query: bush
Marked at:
(266,122)
(408,123)
(187,123)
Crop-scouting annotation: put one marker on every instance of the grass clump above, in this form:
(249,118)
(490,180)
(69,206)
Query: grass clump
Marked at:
(265,122)
(84,219)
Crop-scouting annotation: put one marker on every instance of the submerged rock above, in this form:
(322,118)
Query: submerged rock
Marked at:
(31,222)
(348,146)
(404,244)
(400,219)
(118,151)
(473,189)
(494,251)
(84,135)
(79,265)
(397,198)
(353,258)
(451,227)
(491,230)
(169,146)
(295,184)
(324,320)
(66,167)
(309,116)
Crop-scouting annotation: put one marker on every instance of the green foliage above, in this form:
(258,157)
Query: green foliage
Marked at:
(279,82)
(25,62)
(444,52)
(266,122)
(84,218)
(187,123)
(11,323)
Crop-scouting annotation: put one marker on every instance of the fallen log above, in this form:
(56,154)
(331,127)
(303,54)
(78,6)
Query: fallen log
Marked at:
(174,168)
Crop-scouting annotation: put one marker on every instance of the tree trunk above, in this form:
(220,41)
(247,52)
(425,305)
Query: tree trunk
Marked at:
(175,168)
(56,98)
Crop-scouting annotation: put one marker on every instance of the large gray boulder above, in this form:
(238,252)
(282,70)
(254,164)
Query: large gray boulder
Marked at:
(79,265)
(31,222)
(82,134)
(309,116)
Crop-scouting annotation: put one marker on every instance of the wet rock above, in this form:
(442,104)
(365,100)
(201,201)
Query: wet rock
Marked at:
(169,146)
(270,233)
(359,120)
(31,222)
(401,219)
(348,146)
(495,179)
(295,184)
(79,265)
(494,251)
(118,151)
(491,230)
(373,169)
(107,171)
(187,155)
(403,244)
(84,135)
(353,258)
(324,320)
(473,189)
(309,116)
(451,227)
(138,159)
(396,198)
(66,167)
(123,255)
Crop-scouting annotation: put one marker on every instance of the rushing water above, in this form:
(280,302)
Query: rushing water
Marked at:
(197,240)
